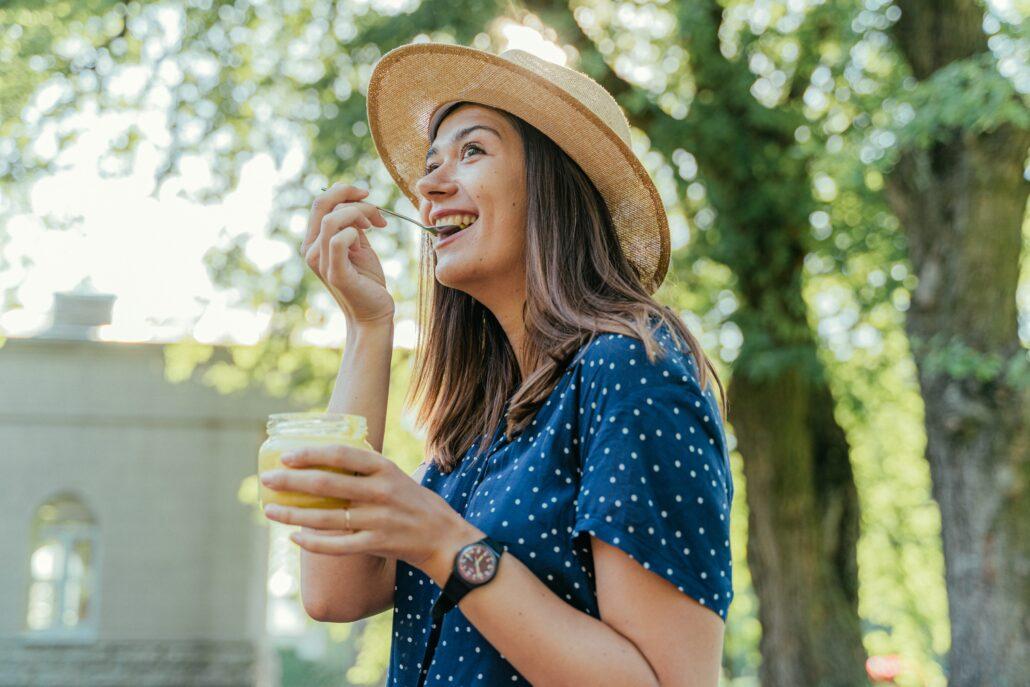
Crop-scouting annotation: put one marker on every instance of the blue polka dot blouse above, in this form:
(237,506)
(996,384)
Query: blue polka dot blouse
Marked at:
(625,450)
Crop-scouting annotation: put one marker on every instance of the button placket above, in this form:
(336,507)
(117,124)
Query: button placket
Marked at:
(499,443)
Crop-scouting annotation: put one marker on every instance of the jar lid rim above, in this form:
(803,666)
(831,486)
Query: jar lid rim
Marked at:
(313,416)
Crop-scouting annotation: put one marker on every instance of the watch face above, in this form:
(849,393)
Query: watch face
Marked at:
(477,563)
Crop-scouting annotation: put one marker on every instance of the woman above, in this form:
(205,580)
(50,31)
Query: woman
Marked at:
(571,525)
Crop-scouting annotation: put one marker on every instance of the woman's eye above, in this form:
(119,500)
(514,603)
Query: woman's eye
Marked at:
(431,167)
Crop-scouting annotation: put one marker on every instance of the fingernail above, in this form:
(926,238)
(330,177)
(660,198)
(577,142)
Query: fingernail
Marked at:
(290,458)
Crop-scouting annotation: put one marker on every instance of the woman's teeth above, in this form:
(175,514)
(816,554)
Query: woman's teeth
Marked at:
(461,221)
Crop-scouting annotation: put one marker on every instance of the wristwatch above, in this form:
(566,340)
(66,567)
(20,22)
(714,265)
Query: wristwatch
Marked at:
(474,565)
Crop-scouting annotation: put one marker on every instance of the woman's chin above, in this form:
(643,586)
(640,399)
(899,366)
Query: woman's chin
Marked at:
(449,272)
(461,272)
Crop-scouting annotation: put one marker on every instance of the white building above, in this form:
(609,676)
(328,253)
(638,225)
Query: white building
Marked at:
(127,555)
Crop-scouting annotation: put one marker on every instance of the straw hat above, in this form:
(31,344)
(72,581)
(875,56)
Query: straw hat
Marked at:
(413,82)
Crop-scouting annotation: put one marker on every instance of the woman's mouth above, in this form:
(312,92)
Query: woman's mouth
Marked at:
(445,237)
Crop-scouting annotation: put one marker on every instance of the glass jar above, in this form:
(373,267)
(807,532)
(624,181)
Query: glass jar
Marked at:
(291,431)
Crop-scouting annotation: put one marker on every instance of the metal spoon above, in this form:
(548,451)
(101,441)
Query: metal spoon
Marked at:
(435,231)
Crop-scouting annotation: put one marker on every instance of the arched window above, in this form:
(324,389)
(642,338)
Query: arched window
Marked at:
(63,570)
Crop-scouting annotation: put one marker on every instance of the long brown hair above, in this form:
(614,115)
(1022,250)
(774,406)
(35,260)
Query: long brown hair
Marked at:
(578,284)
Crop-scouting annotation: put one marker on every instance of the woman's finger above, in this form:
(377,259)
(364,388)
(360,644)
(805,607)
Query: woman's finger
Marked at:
(326,238)
(328,520)
(339,253)
(351,214)
(335,544)
(322,483)
(336,456)
(316,518)
(370,211)
(324,203)
(312,258)
(346,218)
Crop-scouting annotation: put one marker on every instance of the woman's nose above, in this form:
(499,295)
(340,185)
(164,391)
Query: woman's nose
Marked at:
(435,185)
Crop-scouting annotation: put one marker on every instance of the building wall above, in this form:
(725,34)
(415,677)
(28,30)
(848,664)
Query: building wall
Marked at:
(182,562)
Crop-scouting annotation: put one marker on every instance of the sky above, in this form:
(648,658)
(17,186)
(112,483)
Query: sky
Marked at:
(149,251)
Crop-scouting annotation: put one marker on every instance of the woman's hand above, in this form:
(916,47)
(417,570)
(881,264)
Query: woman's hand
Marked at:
(391,515)
(337,250)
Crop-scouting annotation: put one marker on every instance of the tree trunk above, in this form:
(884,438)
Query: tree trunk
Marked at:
(962,202)
(962,205)
(802,530)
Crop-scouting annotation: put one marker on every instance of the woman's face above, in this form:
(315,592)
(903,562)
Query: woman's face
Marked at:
(481,173)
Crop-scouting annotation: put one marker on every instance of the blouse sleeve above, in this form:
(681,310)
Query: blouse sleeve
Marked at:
(655,481)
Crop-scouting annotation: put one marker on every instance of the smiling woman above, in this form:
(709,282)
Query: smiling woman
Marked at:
(543,244)
(573,515)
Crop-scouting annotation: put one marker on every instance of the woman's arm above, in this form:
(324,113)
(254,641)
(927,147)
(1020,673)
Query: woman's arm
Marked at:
(649,632)
(346,588)
(380,594)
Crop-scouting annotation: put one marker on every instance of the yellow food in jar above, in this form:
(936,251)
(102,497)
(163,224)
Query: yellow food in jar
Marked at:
(294,431)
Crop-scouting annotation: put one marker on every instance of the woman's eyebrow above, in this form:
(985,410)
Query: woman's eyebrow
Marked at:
(462,133)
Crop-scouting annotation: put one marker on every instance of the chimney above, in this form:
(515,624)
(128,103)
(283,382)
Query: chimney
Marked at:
(76,315)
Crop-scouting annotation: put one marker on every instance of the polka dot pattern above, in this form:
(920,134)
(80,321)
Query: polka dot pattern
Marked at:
(624,449)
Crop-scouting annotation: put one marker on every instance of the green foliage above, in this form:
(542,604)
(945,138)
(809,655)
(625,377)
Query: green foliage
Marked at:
(323,673)
(741,657)
(39,45)
(374,651)
(902,596)
(182,357)
(1017,372)
(967,97)
(953,357)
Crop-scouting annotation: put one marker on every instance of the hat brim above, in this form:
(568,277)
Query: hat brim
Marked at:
(411,81)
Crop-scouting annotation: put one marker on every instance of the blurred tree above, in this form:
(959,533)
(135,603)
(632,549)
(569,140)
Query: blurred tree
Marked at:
(959,187)
(803,507)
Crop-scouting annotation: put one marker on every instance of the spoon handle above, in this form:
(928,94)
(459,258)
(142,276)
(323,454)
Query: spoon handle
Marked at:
(432,230)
